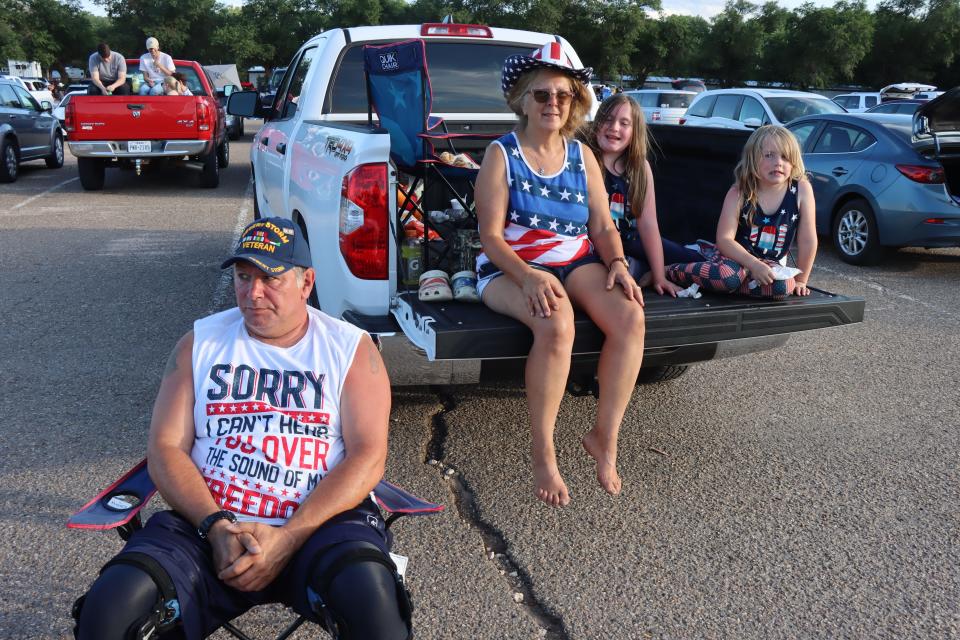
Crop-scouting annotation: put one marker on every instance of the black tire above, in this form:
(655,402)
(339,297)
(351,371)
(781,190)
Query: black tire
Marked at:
(9,160)
(256,204)
(92,172)
(223,154)
(210,176)
(313,301)
(55,159)
(652,375)
(855,233)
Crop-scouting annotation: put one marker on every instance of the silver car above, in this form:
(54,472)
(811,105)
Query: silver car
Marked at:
(885,180)
(28,131)
(663,106)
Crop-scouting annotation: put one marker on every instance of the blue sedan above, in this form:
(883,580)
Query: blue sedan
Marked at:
(878,184)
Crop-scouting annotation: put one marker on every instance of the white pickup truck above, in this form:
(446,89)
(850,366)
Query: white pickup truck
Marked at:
(319,161)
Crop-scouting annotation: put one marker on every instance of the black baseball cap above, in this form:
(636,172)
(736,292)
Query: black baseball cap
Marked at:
(275,245)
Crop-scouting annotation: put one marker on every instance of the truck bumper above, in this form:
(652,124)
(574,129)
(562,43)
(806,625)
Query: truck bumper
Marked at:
(159,149)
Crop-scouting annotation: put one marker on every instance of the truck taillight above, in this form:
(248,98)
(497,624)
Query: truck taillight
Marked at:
(363,221)
(922,173)
(69,117)
(449,29)
(203,116)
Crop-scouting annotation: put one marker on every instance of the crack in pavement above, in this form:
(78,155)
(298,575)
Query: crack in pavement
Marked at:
(495,545)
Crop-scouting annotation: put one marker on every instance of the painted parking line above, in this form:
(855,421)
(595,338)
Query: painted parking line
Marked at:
(20,205)
(225,283)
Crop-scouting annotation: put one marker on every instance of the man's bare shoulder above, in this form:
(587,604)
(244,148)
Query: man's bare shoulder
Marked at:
(181,357)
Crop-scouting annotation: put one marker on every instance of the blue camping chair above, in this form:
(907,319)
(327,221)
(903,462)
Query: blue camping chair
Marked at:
(398,89)
(118,507)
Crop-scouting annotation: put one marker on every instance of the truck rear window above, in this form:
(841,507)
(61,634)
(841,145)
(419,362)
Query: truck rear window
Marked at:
(464,77)
(189,74)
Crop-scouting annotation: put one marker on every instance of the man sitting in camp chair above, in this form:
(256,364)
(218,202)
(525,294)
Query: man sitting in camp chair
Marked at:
(268,433)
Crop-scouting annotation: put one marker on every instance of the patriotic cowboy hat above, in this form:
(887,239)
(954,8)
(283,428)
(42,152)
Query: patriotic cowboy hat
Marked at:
(549,56)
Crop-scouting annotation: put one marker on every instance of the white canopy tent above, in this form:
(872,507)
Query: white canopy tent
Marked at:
(223,74)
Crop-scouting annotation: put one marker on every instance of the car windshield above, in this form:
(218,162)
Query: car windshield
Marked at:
(789,108)
(900,126)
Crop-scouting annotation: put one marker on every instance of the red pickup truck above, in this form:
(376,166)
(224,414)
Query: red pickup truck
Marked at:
(133,131)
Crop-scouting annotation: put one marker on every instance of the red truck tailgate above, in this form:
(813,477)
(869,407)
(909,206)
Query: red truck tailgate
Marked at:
(136,118)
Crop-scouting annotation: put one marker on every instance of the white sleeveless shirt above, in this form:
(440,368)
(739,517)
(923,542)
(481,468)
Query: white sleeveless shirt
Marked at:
(268,418)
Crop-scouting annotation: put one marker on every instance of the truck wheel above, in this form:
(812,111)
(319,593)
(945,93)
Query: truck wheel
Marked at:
(223,154)
(210,176)
(55,159)
(855,234)
(8,160)
(91,173)
(652,375)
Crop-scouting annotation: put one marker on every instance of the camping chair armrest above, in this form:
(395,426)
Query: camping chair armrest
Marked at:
(119,505)
(399,502)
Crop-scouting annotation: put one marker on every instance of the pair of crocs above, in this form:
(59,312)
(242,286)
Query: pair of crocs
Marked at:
(436,286)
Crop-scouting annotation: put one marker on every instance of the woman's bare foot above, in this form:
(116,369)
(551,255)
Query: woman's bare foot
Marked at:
(549,485)
(606,456)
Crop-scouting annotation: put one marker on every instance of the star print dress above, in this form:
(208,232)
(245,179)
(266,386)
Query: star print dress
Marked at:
(769,236)
(547,214)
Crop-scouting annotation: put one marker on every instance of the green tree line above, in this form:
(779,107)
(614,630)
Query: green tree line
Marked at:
(807,47)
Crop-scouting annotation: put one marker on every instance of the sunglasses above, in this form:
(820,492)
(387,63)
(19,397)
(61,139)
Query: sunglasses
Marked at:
(543,96)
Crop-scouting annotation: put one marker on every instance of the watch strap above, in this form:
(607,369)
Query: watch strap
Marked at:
(204,529)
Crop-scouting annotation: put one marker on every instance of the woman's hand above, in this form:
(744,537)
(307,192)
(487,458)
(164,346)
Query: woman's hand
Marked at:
(762,273)
(541,292)
(620,274)
(665,287)
(801,289)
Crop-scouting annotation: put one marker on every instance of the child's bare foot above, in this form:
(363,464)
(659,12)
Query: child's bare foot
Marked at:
(606,456)
(549,485)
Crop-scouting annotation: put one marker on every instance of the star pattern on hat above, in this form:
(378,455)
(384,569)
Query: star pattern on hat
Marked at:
(550,56)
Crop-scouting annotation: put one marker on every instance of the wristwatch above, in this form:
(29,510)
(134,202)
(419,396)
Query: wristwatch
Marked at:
(204,529)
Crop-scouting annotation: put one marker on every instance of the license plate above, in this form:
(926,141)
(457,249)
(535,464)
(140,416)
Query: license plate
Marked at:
(139,146)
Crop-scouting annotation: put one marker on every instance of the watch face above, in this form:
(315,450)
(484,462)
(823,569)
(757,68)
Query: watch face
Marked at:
(121,502)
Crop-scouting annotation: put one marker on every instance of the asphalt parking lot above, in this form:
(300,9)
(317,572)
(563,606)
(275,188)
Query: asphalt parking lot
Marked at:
(806,492)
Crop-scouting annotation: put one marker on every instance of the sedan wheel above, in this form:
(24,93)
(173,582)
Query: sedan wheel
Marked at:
(55,159)
(8,168)
(855,234)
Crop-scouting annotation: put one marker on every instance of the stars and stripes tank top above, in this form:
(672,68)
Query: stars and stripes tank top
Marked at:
(770,235)
(267,418)
(547,214)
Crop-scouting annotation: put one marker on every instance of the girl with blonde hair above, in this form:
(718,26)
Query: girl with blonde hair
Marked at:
(769,205)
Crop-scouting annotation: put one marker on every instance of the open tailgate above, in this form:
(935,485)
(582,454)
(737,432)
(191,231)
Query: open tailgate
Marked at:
(459,330)
(135,118)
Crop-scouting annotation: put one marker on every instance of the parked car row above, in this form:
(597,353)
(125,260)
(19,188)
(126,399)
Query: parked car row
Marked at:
(28,131)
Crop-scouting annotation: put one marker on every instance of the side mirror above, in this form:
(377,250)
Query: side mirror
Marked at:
(46,106)
(753,123)
(246,104)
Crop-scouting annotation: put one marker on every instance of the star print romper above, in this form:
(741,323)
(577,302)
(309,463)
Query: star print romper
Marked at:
(546,216)
(768,238)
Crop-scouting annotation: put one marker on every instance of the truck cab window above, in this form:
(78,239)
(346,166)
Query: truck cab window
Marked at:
(285,104)
(464,78)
